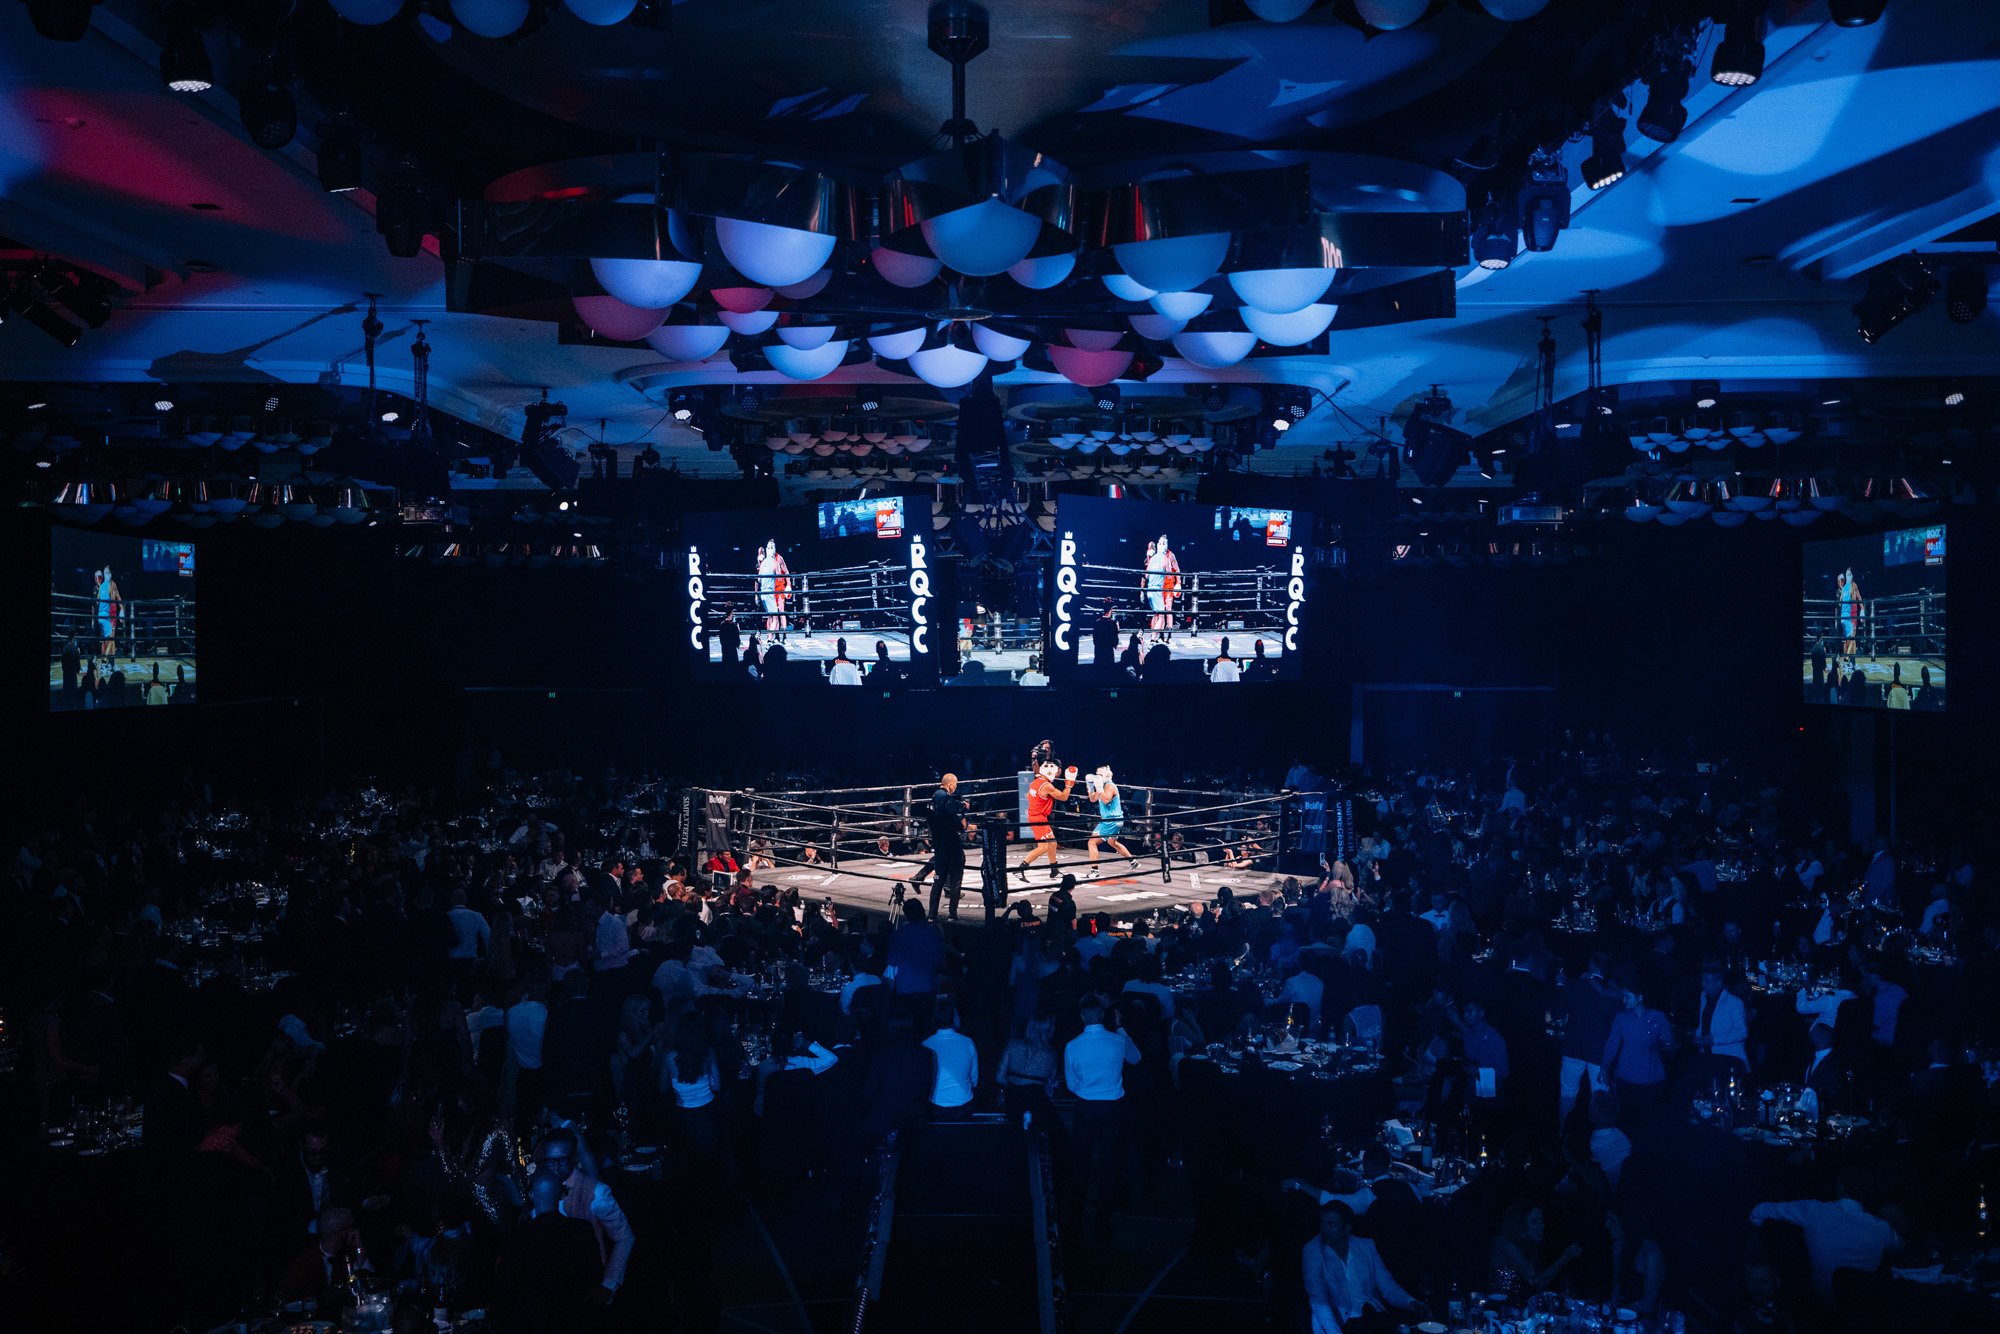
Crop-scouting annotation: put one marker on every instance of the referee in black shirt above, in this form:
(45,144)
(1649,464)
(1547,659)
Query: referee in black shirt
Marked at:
(947,863)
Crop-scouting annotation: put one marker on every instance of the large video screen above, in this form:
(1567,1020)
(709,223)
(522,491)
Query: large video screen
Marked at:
(1161,593)
(798,596)
(1875,621)
(121,621)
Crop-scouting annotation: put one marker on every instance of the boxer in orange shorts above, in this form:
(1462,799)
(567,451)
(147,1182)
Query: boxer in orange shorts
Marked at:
(1043,794)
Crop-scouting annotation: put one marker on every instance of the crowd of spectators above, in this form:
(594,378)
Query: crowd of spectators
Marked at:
(397,1039)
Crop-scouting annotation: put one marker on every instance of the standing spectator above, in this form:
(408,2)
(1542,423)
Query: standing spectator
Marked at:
(1094,1068)
(957,1074)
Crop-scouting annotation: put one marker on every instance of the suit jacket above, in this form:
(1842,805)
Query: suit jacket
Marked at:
(1828,1079)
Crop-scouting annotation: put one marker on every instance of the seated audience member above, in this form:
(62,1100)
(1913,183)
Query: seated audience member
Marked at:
(1348,1291)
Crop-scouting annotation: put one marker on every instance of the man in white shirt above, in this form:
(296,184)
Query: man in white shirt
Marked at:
(527,1021)
(1440,914)
(1345,1277)
(1722,1028)
(957,1067)
(470,934)
(614,940)
(1840,1235)
(1094,1068)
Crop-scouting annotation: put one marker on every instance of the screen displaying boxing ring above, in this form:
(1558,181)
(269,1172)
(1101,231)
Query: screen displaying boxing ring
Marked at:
(1162,593)
(810,597)
(121,621)
(869,847)
(1874,623)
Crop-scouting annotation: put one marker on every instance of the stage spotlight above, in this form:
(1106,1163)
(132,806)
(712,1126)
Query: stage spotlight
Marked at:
(184,63)
(1965,293)
(32,302)
(1544,201)
(682,403)
(868,399)
(1739,56)
(1281,423)
(1856,13)
(1896,291)
(1494,233)
(391,415)
(1606,162)
(1705,393)
(1954,398)
(267,111)
(163,405)
(60,20)
(88,304)
(1665,114)
(1105,397)
(339,156)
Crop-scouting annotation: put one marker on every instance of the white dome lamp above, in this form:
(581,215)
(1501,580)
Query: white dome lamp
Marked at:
(1513,11)
(899,345)
(368,13)
(1215,350)
(806,337)
(1154,327)
(947,365)
(490,18)
(688,342)
(1125,288)
(808,289)
(1175,263)
(1182,306)
(1093,340)
(1281,291)
(608,317)
(602,13)
(1041,274)
(1278,11)
(901,269)
(983,239)
(1288,330)
(772,256)
(1389,15)
(998,344)
(646,283)
(749,323)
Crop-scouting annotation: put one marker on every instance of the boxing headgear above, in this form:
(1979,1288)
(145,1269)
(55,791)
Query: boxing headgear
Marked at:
(1047,770)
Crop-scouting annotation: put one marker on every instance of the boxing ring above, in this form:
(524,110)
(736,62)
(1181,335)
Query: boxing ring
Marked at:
(1186,843)
(1191,611)
(815,608)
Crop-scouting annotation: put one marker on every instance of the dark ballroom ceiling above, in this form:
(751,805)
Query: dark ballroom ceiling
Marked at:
(1730,255)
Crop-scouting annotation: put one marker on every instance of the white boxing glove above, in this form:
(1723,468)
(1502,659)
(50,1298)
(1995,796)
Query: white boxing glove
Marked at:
(1069,774)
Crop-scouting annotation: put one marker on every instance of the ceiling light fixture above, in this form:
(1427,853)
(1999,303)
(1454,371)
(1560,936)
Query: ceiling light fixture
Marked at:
(1856,13)
(1544,201)
(1606,162)
(1739,56)
(60,20)
(1965,293)
(1896,291)
(267,110)
(1665,113)
(1495,239)
(184,62)
(338,156)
